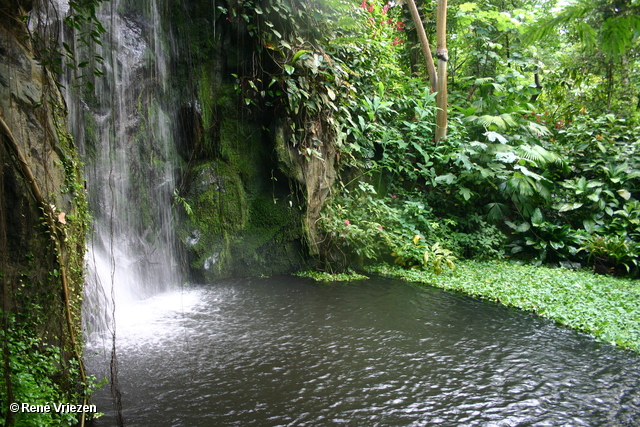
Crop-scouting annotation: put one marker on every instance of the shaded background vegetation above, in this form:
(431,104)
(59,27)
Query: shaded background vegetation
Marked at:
(540,160)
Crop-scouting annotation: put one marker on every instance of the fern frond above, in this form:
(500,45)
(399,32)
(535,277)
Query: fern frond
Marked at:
(618,34)
(487,120)
(537,154)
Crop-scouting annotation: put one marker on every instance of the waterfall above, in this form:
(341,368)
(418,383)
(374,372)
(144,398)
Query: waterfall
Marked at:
(122,123)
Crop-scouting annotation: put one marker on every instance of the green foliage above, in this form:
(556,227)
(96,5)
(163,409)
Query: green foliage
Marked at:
(181,201)
(612,27)
(501,103)
(595,45)
(353,223)
(606,307)
(298,78)
(485,35)
(37,372)
(591,204)
(416,253)
(547,241)
(473,237)
(58,57)
(321,276)
(608,252)
(523,161)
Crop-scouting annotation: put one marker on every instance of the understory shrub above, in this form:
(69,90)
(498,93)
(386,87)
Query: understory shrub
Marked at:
(35,370)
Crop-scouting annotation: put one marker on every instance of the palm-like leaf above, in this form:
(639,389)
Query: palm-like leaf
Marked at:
(618,31)
(537,154)
(502,121)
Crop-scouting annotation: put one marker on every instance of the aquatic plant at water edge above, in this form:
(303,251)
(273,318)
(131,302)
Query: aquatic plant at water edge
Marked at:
(321,276)
(606,307)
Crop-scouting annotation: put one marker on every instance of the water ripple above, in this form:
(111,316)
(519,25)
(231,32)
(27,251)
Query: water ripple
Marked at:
(287,352)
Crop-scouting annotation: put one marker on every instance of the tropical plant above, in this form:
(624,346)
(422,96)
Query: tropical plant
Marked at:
(419,253)
(599,50)
(608,253)
(38,374)
(545,240)
(352,224)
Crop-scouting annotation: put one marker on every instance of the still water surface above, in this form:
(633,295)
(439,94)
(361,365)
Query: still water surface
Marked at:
(288,352)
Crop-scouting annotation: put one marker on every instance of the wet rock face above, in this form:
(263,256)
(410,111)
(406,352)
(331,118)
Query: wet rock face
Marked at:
(23,89)
(34,141)
(190,131)
(246,213)
(237,227)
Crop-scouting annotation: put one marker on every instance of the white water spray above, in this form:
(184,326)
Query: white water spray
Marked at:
(124,130)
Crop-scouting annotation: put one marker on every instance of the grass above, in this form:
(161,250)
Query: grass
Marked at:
(606,307)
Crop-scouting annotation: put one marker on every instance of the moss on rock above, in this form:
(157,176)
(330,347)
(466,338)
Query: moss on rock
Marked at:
(245,215)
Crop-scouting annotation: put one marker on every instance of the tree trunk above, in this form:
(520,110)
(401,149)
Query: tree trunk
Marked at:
(443,56)
(424,43)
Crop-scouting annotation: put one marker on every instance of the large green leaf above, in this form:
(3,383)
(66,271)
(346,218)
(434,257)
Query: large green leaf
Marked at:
(537,219)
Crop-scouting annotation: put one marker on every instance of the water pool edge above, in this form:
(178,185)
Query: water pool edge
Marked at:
(608,308)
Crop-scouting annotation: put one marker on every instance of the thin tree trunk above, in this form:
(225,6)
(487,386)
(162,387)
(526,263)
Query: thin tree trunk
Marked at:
(536,80)
(443,56)
(424,43)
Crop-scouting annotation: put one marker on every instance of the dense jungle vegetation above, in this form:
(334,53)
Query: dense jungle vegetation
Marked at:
(540,159)
(532,155)
(538,162)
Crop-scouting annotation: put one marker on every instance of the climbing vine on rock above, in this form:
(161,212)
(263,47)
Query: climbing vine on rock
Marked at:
(44,214)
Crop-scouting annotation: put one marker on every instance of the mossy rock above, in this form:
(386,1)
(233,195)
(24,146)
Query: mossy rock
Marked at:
(218,204)
(232,232)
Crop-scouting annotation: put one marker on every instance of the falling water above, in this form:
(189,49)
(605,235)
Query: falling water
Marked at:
(123,127)
(267,351)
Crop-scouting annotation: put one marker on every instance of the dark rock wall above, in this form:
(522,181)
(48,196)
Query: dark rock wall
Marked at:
(247,215)
(43,212)
(33,111)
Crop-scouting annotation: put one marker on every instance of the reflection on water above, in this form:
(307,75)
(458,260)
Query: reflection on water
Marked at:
(288,352)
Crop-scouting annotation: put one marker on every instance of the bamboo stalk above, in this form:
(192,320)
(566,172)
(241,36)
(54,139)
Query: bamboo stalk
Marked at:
(424,44)
(443,56)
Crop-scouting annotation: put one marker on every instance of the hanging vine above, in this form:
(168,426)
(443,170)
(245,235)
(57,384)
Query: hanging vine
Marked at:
(296,76)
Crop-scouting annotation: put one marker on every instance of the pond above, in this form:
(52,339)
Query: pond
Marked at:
(286,351)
